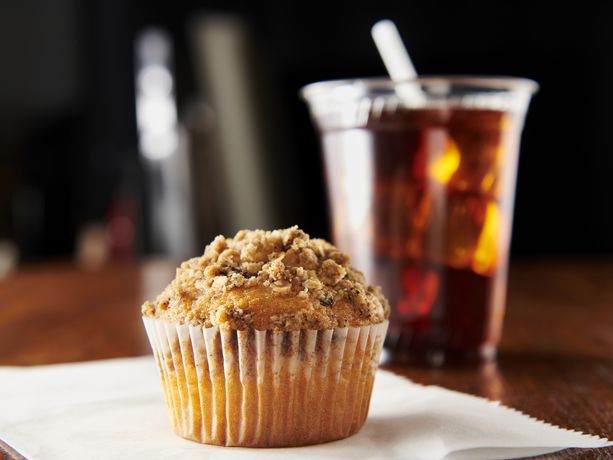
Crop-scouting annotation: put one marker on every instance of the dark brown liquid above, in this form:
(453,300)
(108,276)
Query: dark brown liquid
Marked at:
(422,202)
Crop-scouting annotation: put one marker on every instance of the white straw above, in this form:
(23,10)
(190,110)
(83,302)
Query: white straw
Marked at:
(397,60)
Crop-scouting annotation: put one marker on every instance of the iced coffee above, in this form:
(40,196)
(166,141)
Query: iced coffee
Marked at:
(421,197)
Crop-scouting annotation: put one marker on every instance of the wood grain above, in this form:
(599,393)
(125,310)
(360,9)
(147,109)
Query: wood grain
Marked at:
(555,363)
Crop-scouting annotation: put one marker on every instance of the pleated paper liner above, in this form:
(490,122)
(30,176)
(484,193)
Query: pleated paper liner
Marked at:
(263,388)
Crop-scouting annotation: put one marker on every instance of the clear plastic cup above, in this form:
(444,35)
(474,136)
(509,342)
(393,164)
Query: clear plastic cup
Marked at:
(421,193)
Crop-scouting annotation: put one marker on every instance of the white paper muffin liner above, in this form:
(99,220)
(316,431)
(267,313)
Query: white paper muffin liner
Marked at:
(264,388)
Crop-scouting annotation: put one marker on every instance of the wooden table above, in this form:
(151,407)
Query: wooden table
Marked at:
(555,363)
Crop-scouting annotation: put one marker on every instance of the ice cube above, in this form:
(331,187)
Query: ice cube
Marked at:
(481,140)
(443,161)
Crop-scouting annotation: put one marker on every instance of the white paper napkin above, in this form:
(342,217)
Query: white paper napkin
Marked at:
(114,409)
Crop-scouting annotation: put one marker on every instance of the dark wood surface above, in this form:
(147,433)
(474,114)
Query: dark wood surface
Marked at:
(555,362)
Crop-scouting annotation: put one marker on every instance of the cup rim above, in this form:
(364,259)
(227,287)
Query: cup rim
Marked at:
(488,82)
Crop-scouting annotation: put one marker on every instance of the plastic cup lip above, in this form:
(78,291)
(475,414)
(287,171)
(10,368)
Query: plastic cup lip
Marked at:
(362,86)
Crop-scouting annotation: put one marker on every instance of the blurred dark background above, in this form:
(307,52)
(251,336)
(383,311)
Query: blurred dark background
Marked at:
(71,174)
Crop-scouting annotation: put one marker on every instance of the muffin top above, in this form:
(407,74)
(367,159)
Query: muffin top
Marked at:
(280,280)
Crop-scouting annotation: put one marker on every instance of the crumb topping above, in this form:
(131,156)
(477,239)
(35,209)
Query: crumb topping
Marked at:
(281,280)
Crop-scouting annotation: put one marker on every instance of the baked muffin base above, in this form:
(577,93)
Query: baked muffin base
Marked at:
(262,388)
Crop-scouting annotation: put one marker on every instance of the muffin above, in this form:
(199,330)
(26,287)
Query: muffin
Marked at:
(269,339)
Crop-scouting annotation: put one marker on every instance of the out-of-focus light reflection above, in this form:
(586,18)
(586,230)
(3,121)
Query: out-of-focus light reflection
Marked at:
(92,246)
(158,145)
(164,146)
(156,111)
(155,79)
(9,255)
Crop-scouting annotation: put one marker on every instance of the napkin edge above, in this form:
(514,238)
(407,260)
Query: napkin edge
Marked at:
(602,439)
